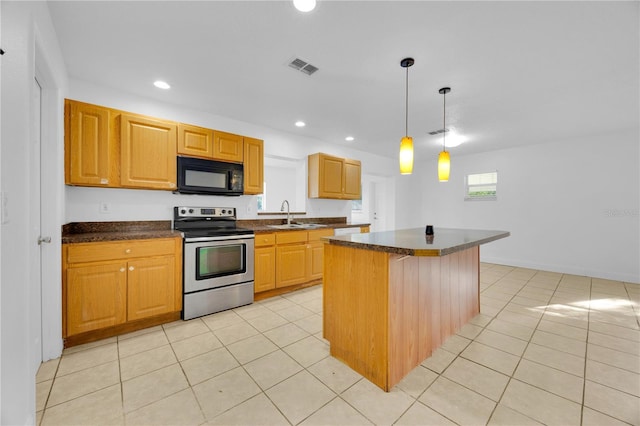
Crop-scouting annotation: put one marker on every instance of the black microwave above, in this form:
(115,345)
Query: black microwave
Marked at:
(209,177)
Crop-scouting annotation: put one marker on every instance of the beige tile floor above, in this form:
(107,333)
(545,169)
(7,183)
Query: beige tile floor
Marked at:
(547,348)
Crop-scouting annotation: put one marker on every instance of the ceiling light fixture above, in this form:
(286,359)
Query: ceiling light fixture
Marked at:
(406,144)
(304,5)
(444,160)
(161,84)
(349,138)
(300,124)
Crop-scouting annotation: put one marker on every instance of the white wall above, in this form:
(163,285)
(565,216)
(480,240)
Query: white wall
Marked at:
(570,206)
(27,37)
(82,204)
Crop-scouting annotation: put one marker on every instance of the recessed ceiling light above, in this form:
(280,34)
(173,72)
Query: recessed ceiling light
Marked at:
(300,124)
(304,5)
(349,138)
(161,84)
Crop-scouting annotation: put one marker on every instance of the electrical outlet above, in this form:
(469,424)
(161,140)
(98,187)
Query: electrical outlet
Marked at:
(105,208)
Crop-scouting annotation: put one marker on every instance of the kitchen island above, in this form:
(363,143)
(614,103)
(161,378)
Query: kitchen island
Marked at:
(391,298)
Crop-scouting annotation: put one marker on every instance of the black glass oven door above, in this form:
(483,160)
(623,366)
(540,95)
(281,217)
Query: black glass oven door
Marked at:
(218,261)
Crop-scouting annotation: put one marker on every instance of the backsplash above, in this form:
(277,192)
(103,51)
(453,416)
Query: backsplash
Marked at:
(85,204)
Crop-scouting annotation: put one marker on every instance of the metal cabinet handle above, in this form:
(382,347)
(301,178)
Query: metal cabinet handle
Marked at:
(122,269)
(131,268)
(127,251)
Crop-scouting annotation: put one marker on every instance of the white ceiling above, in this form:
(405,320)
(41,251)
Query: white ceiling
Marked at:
(520,72)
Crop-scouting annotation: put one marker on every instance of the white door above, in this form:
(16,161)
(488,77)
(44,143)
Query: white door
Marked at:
(35,273)
(377,206)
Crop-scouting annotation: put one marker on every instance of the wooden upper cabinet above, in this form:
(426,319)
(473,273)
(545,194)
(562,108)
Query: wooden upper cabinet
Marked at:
(352,174)
(253,166)
(147,153)
(90,154)
(228,147)
(195,141)
(333,177)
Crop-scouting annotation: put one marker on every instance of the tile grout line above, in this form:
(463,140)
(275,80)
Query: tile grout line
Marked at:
(339,395)
(586,359)
(511,377)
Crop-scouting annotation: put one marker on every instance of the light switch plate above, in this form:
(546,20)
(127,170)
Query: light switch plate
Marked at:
(4,207)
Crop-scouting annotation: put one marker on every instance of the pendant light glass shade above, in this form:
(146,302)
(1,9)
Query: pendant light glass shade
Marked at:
(406,144)
(444,166)
(406,155)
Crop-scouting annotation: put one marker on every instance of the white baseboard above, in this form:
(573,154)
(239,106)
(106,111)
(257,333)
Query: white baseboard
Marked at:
(607,275)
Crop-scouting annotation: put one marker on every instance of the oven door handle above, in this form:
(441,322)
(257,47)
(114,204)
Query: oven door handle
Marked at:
(221,238)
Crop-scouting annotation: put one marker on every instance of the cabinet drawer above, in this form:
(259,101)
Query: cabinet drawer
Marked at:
(265,239)
(95,252)
(291,237)
(317,234)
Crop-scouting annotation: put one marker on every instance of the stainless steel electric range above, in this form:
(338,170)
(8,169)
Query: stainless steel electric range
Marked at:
(217,260)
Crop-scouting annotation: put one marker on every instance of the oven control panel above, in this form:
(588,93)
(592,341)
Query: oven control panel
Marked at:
(205,212)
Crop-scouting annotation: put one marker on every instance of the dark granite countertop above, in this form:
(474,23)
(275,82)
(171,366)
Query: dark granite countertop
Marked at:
(88,232)
(414,242)
(261,226)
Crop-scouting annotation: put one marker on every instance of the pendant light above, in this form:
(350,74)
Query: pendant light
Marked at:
(444,161)
(406,144)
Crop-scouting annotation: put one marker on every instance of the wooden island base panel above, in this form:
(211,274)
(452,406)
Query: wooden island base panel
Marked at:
(391,298)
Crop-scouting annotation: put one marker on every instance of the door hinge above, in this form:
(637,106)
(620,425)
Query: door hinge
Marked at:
(44,240)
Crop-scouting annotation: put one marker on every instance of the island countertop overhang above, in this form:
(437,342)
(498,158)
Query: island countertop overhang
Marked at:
(414,242)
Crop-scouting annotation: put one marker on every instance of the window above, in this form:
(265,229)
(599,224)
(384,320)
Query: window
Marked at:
(481,186)
(356,205)
(262,198)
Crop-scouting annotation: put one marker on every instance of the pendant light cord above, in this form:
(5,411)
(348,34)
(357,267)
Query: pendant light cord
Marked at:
(406,109)
(444,121)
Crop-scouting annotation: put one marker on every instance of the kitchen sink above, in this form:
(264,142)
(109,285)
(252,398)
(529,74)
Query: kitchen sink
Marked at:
(297,226)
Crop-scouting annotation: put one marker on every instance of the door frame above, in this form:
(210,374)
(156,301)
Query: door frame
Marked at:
(51,203)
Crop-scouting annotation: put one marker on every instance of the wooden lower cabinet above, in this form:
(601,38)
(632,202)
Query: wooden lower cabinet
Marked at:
(96,297)
(284,259)
(316,255)
(315,252)
(110,284)
(265,269)
(291,264)
(151,287)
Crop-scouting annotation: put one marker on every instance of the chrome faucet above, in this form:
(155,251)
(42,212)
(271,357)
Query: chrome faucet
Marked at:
(288,213)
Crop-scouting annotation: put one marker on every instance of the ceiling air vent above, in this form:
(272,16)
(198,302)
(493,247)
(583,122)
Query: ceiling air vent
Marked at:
(303,66)
(437,132)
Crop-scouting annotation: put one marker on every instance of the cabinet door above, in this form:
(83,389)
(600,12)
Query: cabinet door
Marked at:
(148,153)
(315,259)
(90,156)
(331,169)
(228,147)
(265,269)
(151,287)
(291,264)
(253,166)
(352,187)
(195,141)
(96,297)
